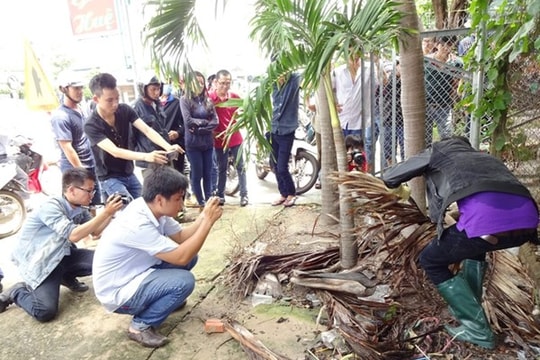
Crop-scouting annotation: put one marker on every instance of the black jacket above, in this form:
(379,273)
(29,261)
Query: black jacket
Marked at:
(153,117)
(453,170)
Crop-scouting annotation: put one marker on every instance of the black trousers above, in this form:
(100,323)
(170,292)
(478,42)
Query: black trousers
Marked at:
(454,246)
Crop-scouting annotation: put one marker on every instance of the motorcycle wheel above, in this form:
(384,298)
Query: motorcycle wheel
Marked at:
(12,213)
(304,170)
(232,185)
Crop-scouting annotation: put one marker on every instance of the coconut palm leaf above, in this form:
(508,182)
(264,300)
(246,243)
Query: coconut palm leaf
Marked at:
(171,34)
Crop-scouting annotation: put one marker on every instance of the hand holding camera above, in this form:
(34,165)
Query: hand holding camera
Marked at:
(124,199)
(115,202)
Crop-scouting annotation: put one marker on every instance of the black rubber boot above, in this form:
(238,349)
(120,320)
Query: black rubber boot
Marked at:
(466,308)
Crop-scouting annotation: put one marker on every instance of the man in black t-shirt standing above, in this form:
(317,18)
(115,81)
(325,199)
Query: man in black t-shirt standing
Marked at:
(109,130)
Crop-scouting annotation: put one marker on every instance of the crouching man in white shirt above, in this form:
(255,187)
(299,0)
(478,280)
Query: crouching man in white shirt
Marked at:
(143,261)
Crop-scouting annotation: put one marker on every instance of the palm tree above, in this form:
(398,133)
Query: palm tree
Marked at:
(307,36)
(412,94)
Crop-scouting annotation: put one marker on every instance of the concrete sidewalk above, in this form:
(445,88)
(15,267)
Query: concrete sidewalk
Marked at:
(83,330)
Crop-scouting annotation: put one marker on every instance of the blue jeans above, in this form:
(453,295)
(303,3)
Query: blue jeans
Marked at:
(125,185)
(370,140)
(454,246)
(42,302)
(201,170)
(96,200)
(439,115)
(160,293)
(223,164)
(346,132)
(281,153)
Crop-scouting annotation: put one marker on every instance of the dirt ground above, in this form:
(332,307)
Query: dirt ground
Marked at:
(83,330)
(290,327)
(287,326)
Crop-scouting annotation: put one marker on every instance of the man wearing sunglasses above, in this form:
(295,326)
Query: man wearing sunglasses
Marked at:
(45,251)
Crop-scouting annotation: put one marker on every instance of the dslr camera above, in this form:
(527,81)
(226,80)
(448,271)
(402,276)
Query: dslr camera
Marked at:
(125,199)
(358,158)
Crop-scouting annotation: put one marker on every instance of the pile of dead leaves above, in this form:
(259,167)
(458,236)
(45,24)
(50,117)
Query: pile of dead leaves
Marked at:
(385,308)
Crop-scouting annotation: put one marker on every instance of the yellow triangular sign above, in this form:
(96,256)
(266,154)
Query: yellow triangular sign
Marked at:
(38,92)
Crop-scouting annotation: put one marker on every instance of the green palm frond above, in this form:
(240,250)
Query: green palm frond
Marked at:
(171,34)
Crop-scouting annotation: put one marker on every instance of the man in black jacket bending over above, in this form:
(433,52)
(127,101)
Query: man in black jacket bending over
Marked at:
(496,212)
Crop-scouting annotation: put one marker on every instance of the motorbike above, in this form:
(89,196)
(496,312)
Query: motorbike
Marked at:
(232,186)
(303,164)
(14,187)
(12,207)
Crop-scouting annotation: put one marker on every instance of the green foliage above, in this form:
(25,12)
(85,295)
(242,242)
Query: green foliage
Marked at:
(170,34)
(308,35)
(509,24)
(424,9)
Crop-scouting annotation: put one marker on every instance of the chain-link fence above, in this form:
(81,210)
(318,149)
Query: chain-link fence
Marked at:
(444,76)
(524,121)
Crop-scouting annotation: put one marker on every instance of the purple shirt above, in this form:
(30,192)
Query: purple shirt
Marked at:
(487,213)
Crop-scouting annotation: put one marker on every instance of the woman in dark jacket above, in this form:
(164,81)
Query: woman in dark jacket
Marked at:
(200,120)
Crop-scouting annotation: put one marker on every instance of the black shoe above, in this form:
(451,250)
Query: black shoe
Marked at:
(148,338)
(75,285)
(244,201)
(221,201)
(6,298)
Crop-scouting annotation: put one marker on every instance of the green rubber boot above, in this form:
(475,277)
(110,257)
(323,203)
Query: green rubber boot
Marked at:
(473,272)
(466,308)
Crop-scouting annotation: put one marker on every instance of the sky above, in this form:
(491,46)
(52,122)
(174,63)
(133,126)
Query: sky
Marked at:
(46,24)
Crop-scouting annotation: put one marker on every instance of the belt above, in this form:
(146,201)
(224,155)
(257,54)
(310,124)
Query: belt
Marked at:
(493,239)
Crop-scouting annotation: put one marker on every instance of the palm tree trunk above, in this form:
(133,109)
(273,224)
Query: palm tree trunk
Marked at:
(349,247)
(329,189)
(413,95)
(440,9)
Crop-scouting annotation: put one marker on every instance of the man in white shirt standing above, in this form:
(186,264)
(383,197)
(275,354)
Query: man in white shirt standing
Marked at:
(353,96)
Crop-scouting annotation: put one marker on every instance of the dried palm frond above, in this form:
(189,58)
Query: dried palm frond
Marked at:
(390,234)
(244,273)
(406,231)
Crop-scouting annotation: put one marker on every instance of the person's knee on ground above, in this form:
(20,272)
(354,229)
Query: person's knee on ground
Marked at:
(45,315)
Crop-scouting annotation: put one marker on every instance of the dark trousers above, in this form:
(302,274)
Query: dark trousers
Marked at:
(42,302)
(281,153)
(454,246)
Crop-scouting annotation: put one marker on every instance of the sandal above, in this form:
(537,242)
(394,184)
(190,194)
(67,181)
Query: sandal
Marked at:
(279,201)
(289,202)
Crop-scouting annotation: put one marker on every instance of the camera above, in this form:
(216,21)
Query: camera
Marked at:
(125,199)
(358,158)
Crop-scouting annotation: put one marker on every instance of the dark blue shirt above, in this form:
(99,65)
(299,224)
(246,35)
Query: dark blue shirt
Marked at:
(68,125)
(286,99)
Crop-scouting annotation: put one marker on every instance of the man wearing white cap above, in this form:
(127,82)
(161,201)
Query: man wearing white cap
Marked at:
(67,124)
